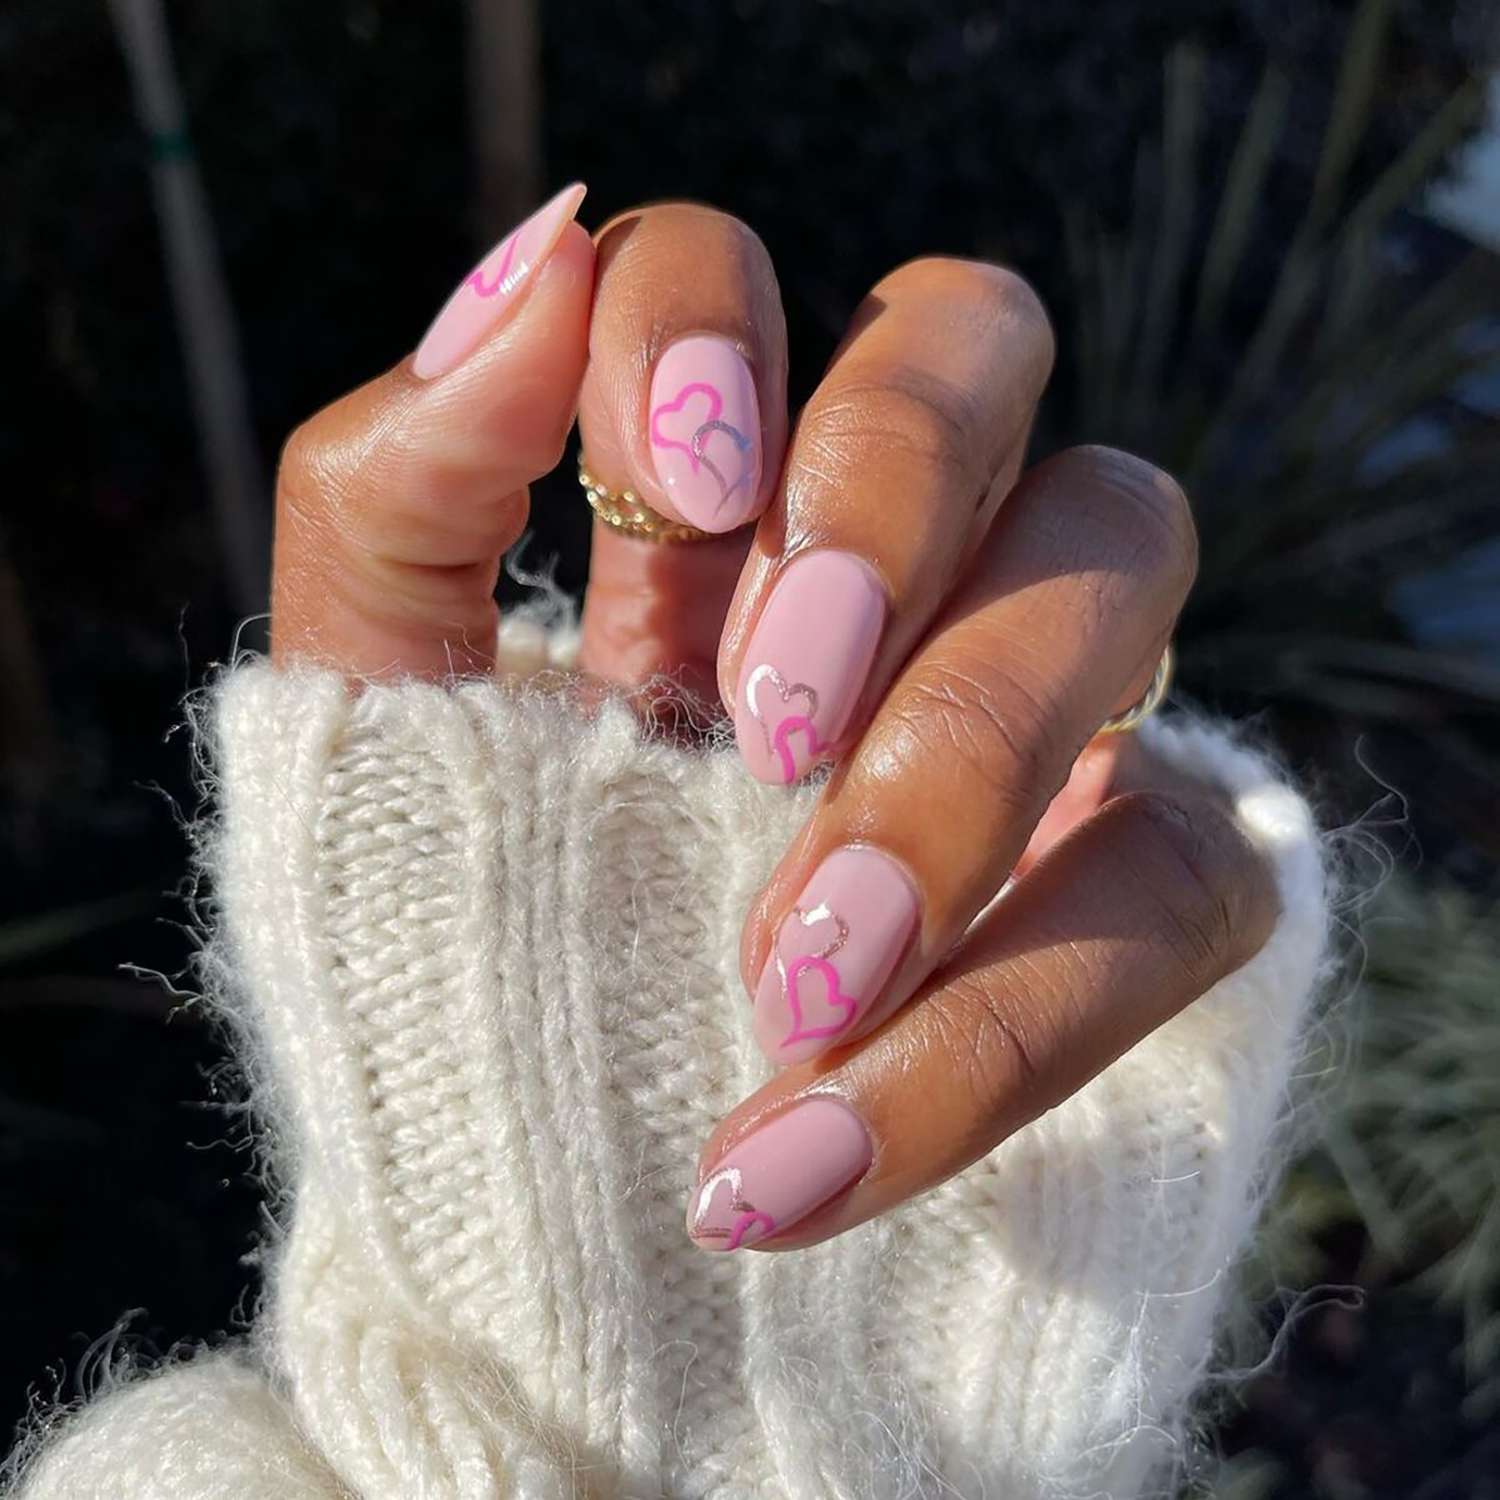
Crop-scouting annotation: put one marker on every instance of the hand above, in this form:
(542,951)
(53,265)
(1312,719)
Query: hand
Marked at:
(946,630)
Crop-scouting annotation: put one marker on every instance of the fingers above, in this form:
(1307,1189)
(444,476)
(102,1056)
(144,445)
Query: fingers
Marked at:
(1060,620)
(685,401)
(897,464)
(1130,918)
(394,504)
(684,404)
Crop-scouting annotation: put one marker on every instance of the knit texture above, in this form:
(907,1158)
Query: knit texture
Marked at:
(480,950)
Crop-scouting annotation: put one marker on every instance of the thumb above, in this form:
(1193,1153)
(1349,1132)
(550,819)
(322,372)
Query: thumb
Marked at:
(395,504)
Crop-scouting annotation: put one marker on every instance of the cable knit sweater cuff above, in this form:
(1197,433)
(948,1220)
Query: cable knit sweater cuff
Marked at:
(481,952)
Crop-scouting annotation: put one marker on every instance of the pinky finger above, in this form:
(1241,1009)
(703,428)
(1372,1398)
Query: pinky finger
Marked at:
(1128,920)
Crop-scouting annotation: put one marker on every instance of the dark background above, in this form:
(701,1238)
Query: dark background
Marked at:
(1315,356)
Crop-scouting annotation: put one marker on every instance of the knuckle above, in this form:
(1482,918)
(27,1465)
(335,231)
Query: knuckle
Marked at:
(990,299)
(537,447)
(1210,887)
(309,474)
(369,442)
(1150,503)
(993,291)
(908,412)
(999,725)
(300,455)
(1019,307)
(645,255)
(993,1052)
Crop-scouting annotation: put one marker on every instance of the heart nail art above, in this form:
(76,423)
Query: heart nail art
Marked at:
(799,952)
(806,664)
(790,1164)
(688,421)
(833,952)
(500,281)
(704,430)
(693,407)
(807,928)
(741,446)
(483,297)
(778,734)
(724,1213)
(844,1007)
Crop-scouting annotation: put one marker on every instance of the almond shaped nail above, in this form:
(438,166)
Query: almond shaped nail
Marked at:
(704,432)
(833,953)
(488,291)
(806,662)
(779,1174)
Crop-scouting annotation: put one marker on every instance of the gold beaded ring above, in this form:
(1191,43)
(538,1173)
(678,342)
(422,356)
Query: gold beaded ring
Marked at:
(628,514)
(1149,702)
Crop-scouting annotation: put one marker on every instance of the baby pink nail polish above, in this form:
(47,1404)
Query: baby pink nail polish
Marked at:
(833,952)
(705,432)
(806,663)
(779,1174)
(490,288)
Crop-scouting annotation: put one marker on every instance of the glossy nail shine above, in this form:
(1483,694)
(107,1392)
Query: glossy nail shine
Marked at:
(704,432)
(806,662)
(779,1173)
(833,953)
(484,295)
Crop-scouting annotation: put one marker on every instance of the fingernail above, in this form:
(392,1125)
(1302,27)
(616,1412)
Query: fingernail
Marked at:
(833,953)
(779,1174)
(705,432)
(489,289)
(806,663)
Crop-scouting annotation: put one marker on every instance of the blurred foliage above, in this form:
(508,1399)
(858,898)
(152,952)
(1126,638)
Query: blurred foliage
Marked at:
(1303,545)
(1276,427)
(1409,1137)
(1415,1135)
(1392,1217)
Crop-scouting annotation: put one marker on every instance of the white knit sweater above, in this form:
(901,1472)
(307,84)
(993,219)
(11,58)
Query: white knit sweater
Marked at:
(481,953)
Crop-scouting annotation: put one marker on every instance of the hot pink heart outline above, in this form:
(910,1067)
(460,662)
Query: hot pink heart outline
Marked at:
(694,387)
(784,731)
(745,1223)
(836,998)
(476,277)
(749,1217)
(777,739)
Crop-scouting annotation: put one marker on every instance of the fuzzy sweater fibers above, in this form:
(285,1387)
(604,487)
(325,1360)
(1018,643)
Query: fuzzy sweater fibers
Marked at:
(480,953)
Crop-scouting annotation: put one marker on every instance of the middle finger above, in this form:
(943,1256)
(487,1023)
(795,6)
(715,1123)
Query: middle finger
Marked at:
(1059,622)
(898,461)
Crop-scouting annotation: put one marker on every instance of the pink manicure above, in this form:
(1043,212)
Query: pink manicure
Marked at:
(485,294)
(806,663)
(705,432)
(833,953)
(779,1174)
